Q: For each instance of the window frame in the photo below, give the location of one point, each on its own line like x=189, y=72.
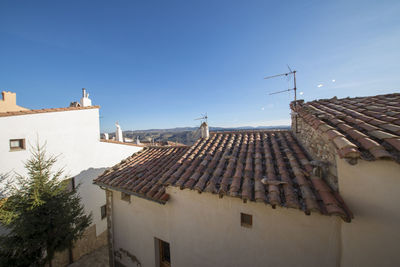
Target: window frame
x=21, y=144
x=164, y=259
x=246, y=220
x=103, y=215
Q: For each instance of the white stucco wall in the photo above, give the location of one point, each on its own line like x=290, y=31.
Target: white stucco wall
x=203, y=230
x=74, y=137
x=372, y=192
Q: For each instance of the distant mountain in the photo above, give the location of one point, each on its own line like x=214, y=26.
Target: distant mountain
x=185, y=135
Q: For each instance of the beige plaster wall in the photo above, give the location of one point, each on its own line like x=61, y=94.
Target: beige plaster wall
x=203, y=230
x=8, y=102
x=372, y=191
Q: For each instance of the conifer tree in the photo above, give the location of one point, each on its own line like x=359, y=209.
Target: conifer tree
x=41, y=214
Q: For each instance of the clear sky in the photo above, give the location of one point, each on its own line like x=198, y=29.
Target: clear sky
x=160, y=64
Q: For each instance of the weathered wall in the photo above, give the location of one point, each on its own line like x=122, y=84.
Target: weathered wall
x=372, y=191
x=318, y=147
x=88, y=243
x=203, y=230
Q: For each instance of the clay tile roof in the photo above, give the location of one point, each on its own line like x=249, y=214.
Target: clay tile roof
x=141, y=173
x=36, y=111
x=262, y=166
x=360, y=127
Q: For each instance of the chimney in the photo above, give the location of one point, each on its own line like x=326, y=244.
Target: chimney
x=137, y=140
x=205, y=133
x=9, y=102
x=118, y=133
x=85, y=100
x=10, y=98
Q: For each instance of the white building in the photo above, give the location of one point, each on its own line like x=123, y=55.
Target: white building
x=73, y=134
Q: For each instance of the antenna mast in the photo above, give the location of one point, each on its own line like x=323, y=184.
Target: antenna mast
x=291, y=72
x=203, y=117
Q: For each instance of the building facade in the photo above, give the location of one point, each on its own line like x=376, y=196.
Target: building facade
x=358, y=140
x=73, y=135
x=323, y=194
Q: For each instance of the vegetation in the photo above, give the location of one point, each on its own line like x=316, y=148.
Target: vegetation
x=41, y=214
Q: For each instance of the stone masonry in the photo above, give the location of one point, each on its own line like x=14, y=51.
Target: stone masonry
x=318, y=147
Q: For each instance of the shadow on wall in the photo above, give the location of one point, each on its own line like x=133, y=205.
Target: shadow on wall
x=92, y=196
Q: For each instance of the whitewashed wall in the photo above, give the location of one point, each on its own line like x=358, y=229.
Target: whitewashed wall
x=74, y=137
x=203, y=230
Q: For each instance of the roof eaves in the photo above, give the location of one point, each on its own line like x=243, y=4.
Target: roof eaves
x=129, y=192
x=45, y=110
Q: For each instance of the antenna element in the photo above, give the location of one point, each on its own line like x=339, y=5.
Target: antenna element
x=203, y=117
x=291, y=72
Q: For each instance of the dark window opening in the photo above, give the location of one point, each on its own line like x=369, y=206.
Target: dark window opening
x=17, y=144
x=103, y=210
x=246, y=220
x=125, y=197
x=165, y=257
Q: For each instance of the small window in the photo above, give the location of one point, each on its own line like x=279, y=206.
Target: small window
x=125, y=197
x=17, y=144
x=165, y=257
x=246, y=220
x=103, y=210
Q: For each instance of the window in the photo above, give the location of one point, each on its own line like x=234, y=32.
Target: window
x=246, y=220
x=17, y=144
x=165, y=258
x=103, y=211
x=125, y=197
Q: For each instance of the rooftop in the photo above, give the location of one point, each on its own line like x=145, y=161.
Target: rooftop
x=119, y=142
x=360, y=127
x=37, y=111
x=262, y=166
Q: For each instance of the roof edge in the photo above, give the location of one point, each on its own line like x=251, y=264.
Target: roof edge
x=45, y=110
x=129, y=192
x=120, y=143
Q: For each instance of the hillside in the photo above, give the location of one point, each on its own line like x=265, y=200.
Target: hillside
x=184, y=135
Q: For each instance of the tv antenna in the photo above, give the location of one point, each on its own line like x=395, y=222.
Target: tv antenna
x=203, y=117
x=291, y=72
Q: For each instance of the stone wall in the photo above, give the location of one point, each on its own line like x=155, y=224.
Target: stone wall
x=88, y=243
x=318, y=147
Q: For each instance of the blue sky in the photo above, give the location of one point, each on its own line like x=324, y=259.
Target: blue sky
x=160, y=64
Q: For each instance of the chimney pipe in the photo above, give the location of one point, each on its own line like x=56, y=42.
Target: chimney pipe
x=85, y=100
x=205, y=133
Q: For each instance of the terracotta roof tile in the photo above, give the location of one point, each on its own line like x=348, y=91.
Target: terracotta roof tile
x=262, y=166
x=360, y=127
x=36, y=111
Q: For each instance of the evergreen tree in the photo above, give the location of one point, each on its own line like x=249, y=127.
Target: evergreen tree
x=41, y=215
